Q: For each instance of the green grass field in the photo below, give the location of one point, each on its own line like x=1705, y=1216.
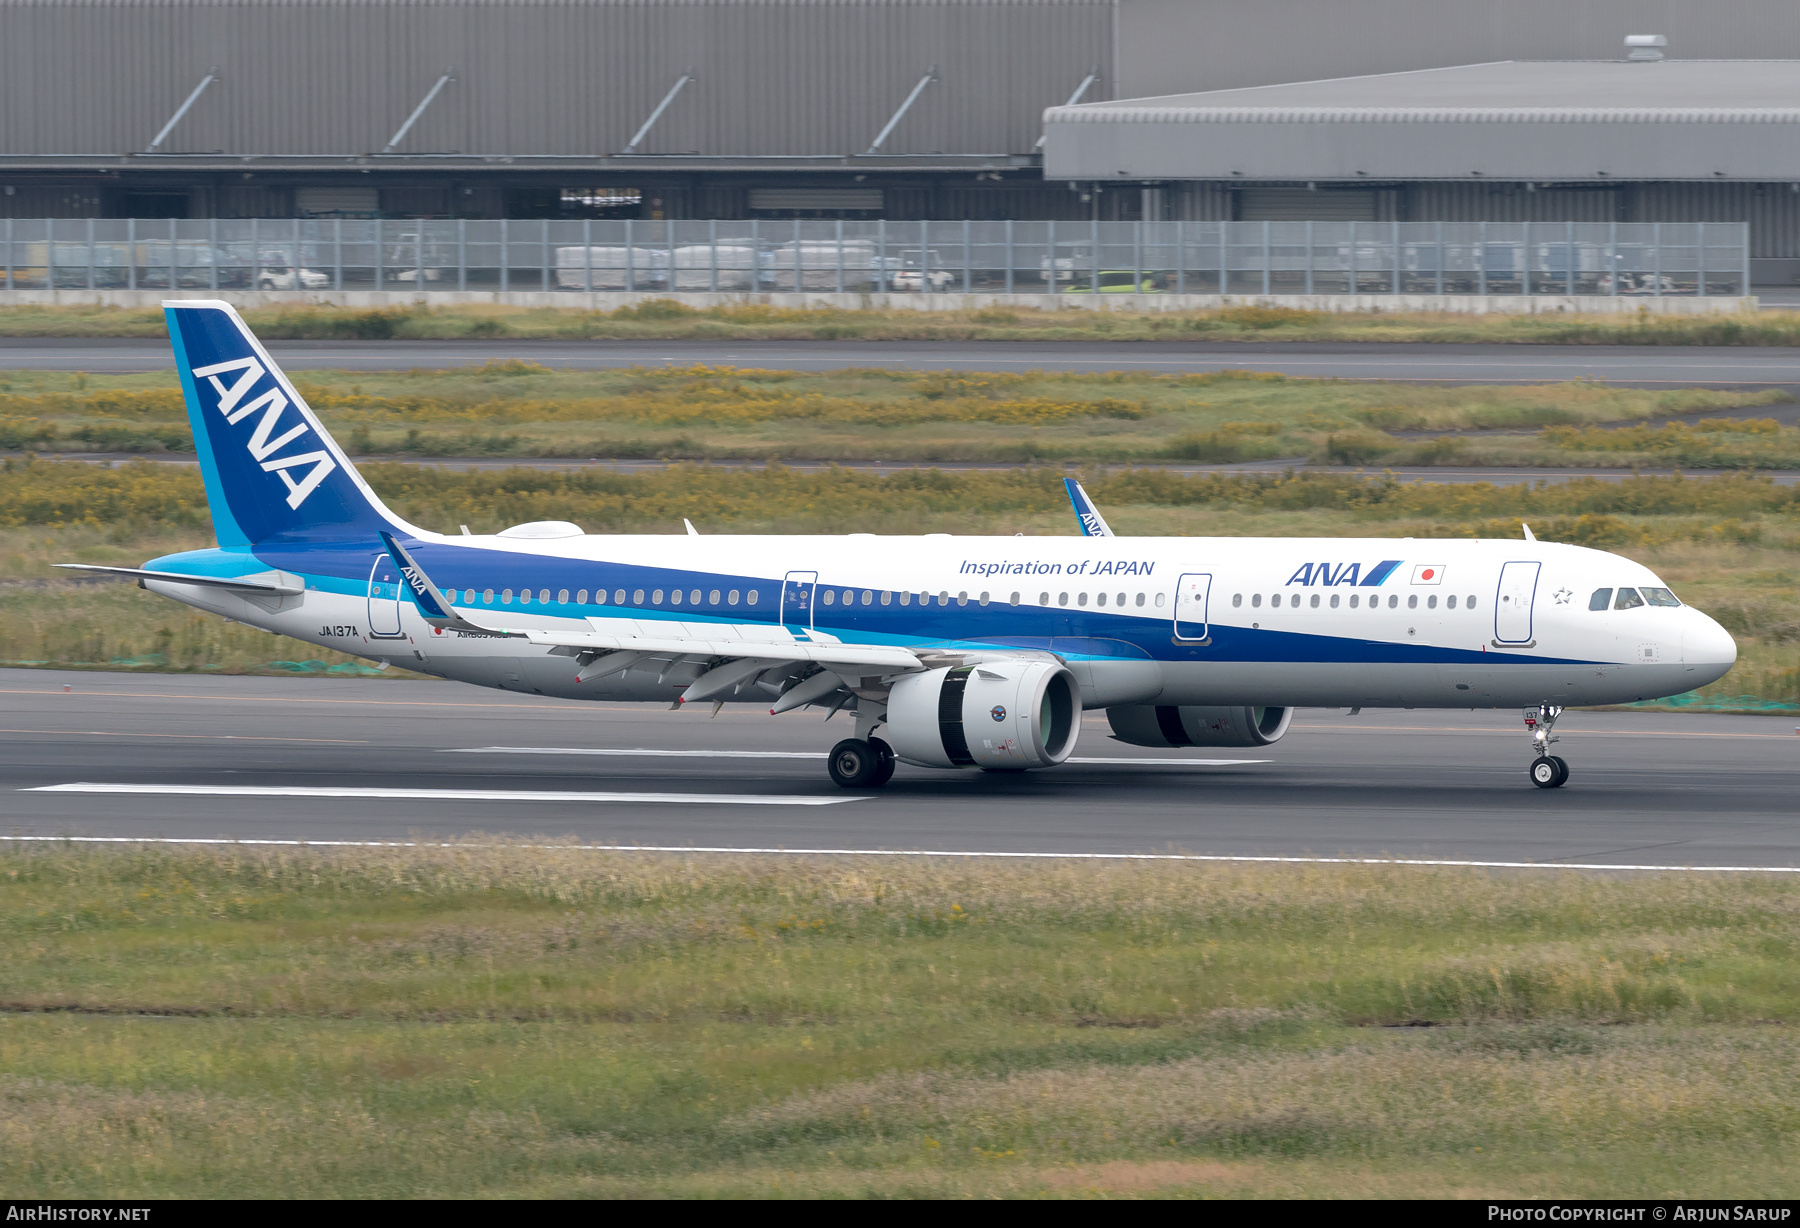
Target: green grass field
x=667, y=318
x=520, y=409
x=490, y=1020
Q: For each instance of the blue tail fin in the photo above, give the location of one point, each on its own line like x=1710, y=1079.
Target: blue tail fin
x=271, y=471
x=1086, y=514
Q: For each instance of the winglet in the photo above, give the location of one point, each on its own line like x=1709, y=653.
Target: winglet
x=427, y=596
x=1086, y=514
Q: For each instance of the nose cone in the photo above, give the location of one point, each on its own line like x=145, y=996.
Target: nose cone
x=1707, y=648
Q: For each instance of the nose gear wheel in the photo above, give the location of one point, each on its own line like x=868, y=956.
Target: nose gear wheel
x=1547, y=771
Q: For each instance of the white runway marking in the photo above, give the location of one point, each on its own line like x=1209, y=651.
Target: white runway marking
x=960, y=853
x=451, y=795
x=671, y=754
x=783, y=754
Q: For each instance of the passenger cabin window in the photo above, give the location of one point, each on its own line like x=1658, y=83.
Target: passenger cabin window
x=544, y=595
x=656, y=597
x=1450, y=602
x=1140, y=599
x=1412, y=601
x=524, y=596
x=1627, y=599
x=1354, y=598
x=1315, y=601
x=887, y=598
x=674, y=596
x=1255, y=601
x=506, y=596
x=1237, y=599
x=1159, y=598
x=1471, y=601
x=1334, y=601
x=1015, y=599
x=637, y=597
x=1431, y=602
x=694, y=597
x=830, y=597
x=1601, y=599
x=1659, y=596
x=1393, y=601
x=562, y=596
x=731, y=598
x=752, y=596
x=1100, y=599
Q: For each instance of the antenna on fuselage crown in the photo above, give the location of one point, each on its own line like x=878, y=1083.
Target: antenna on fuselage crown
x=692, y=531
x=1529, y=535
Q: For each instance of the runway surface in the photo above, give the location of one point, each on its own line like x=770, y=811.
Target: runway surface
x=1649, y=366
x=338, y=759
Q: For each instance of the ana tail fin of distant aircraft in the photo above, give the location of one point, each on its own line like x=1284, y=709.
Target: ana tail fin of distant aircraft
x=271, y=470
x=1092, y=524
x=433, y=602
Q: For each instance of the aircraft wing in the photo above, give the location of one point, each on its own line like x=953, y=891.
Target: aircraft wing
x=270, y=582
x=733, y=661
x=738, y=654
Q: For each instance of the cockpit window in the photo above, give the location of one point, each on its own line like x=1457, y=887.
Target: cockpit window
x=1659, y=596
x=1628, y=600
x=1601, y=599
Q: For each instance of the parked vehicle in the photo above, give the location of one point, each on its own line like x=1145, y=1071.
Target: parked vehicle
x=1118, y=281
x=276, y=271
x=922, y=270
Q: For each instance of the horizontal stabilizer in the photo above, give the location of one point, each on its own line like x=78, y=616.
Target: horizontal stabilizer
x=274, y=582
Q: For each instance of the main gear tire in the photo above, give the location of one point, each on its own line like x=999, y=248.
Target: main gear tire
x=884, y=755
x=853, y=764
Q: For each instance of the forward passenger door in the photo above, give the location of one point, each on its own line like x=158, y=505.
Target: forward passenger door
x=1513, y=602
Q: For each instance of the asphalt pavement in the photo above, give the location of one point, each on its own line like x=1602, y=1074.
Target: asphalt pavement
x=314, y=759
x=1646, y=366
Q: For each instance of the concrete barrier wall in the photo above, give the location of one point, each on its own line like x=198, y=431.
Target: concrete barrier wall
x=1470, y=304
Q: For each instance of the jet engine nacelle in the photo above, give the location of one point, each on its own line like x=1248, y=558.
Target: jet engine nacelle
x=1161, y=725
x=999, y=714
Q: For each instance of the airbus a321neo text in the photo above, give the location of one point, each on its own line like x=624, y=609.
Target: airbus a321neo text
x=948, y=652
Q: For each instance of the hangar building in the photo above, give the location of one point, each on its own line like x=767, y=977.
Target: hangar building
x=1370, y=110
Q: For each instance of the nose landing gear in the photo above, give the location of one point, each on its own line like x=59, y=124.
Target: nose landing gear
x=1547, y=771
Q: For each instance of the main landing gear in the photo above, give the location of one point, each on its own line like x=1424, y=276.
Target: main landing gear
x=1547, y=771
x=858, y=764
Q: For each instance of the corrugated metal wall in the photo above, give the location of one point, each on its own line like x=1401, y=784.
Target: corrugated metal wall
x=1182, y=46
x=791, y=77
x=1772, y=209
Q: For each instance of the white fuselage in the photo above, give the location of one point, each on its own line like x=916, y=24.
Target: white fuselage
x=1277, y=622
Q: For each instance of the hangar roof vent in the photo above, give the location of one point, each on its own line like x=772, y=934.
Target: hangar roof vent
x=1645, y=47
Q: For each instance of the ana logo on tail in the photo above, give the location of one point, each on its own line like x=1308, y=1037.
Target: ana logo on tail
x=264, y=443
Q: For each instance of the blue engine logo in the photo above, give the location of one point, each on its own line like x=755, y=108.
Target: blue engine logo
x=998, y=712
